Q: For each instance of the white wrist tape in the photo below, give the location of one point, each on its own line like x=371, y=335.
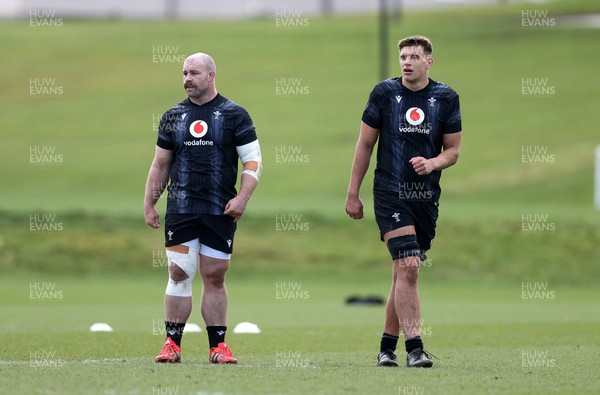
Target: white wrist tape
x=252, y=173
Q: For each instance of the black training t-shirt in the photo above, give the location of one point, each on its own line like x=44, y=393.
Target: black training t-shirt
x=410, y=124
x=203, y=140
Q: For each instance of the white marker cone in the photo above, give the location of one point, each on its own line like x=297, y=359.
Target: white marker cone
x=246, y=327
x=191, y=328
x=101, y=327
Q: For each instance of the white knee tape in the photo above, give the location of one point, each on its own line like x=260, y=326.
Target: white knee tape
x=179, y=288
x=189, y=264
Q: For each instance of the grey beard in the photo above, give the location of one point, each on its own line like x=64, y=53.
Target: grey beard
x=198, y=93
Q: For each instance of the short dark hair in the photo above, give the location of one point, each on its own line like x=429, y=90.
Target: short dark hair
x=416, y=41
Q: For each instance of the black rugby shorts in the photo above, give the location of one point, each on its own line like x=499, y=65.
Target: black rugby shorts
x=214, y=231
x=392, y=213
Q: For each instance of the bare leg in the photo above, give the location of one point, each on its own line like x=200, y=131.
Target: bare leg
x=392, y=325
x=405, y=291
x=214, y=293
x=407, y=296
x=178, y=308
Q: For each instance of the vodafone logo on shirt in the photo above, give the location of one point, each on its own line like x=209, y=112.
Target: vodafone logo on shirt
x=415, y=116
x=198, y=129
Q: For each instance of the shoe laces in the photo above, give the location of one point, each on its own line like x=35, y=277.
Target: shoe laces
x=170, y=346
x=224, y=349
x=429, y=354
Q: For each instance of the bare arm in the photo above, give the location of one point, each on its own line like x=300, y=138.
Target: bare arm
x=236, y=206
x=448, y=157
x=251, y=159
x=362, y=156
x=156, y=184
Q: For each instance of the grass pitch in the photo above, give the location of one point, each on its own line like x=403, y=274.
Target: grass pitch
x=490, y=336
x=488, y=340
x=103, y=125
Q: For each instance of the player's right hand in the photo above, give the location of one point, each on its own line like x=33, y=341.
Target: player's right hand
x=354, y=207
x=152, y=218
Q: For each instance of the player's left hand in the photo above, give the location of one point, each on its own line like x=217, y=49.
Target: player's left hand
x=422, y=166
x=236, y=207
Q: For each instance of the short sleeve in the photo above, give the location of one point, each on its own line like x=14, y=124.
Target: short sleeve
x=372, y=114
x=245, y=132
x=165, y=135
x=454, y=122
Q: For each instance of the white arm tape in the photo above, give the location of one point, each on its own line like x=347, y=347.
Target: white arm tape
x=250, y=152
x=252, y=173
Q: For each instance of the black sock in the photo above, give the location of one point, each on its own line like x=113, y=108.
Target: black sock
x=216, y=335
x=388, y=343
x=174, y=330
x=413, y=343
